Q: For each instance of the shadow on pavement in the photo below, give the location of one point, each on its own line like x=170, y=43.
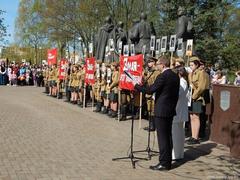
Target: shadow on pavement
x=194, y=152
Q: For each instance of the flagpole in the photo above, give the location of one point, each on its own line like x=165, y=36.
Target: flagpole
x=140, y=112
x=84, y=95
x=119, y=102
x=91, y=55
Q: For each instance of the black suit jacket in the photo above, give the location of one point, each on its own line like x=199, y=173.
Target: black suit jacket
x=166, y=87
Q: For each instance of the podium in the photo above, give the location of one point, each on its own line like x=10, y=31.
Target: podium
x=225, y=126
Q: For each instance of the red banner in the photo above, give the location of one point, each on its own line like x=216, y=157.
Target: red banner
x=134, y=66
x=52, y=56
x=90, y=70
x=62, y=69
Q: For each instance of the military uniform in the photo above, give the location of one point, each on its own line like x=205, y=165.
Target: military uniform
x=206, y=98
x=97, y=88
x=125, y=100
x=55, y=76
x=50, y=77
x=103, y=93
x=150, y=77
x=74, y=81
x=60, y=86
x=107, y=90
x=81, y=74
x=114, y=86
x=197, y=81
x=45, y=78
x=82, y=78
x=67, y=85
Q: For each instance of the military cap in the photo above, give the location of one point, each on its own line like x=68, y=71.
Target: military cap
x=194, y=58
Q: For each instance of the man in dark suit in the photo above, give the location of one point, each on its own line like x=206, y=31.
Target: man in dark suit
x=165, y=87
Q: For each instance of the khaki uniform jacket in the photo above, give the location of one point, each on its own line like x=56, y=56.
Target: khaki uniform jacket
x=74, y=79
x=82, y=78
x=207, y=80
x=150, y=78
x=103, y=85
x=97, y=89
x=115, y=79
x=55, y=74
x=198, y=81
x=50, y=75
x=45, y=74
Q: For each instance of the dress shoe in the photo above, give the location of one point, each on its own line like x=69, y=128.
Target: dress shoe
x=160, y=167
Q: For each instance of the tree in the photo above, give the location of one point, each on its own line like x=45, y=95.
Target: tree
x=62, y=22
x=231, y=43
x=29, y=27
x=3, y=27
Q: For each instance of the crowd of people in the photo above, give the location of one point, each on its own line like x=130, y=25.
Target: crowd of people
x=21, y=74
x=105, y=89
x=194, y=93
x=195, y=82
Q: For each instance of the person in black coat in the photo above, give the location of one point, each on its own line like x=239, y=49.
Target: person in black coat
x=166, y=89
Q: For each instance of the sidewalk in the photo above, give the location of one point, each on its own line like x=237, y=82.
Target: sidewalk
x=43, y=138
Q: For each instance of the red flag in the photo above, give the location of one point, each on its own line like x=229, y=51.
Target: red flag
x=134, y=66
x=90, y=70
x=62, y=68
x=52, y=56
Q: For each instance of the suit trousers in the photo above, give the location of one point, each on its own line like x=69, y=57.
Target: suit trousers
x=164, y=134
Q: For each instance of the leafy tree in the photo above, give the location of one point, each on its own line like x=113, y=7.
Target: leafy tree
x=29, y=27
x=3, y=27
x=62, y=22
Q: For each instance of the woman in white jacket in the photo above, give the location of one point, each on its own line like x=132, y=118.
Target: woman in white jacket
x=178, y=132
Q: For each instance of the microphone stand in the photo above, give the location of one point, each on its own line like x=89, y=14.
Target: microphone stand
x=148, y=148
x=131, y=156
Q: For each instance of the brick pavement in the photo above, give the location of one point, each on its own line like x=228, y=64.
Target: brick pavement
x=44, y=138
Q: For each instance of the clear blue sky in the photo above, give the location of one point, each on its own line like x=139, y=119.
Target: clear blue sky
x=10, y=7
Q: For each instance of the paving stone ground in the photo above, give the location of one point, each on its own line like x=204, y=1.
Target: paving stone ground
x=42, y=138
